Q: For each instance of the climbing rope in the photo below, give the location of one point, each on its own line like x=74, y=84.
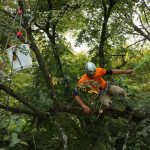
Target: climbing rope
x=9, y=36
x=19, y=35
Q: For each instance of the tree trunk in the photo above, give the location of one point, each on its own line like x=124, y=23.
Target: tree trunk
x=103, y=37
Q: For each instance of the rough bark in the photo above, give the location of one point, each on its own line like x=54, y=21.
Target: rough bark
x=17, y=110
x=103, y=37
x=137, y=116
x=41, y=62
x=20, y=98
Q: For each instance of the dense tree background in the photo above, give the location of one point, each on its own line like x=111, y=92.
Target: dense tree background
x=36, y=104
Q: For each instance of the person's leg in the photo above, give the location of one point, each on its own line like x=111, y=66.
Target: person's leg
x=105, y=100
x=116, y=91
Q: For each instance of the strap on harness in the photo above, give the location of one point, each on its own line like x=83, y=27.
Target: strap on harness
x=102, y=92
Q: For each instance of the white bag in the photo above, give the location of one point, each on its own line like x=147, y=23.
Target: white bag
x=19, y=57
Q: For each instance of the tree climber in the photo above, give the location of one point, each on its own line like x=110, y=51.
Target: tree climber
x=92, y=82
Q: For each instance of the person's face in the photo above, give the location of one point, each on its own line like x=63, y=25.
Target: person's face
x=90, y=74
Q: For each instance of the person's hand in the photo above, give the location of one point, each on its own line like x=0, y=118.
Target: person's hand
x=86, y=109
x=129, y=71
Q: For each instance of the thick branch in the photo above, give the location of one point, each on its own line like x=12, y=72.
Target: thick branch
x=118, y=55
x=55, y=51
x=137, y=116
x=49, y=15
x=17, y=110
x=41, y=62
x=19, y=98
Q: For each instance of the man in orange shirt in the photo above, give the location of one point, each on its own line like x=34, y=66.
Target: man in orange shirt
x=92, y=81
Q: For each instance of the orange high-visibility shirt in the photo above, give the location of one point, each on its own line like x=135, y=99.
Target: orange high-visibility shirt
x=95, y=83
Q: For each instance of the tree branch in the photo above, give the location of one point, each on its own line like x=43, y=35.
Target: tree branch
x=19, y=98
x=146, y=19
x=7, y=13
x=123, y=63
x=17, y=110
x=146, y=5
x=136, y=116
x=135, y=43
x=144, y=28
x=41, y=62
x=137, y=29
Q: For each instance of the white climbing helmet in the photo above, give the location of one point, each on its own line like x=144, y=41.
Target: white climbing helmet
x=90, y=69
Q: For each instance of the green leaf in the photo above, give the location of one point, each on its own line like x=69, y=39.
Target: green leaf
x=14, y=139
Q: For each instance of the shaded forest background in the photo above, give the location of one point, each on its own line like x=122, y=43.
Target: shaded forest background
x=37, y=108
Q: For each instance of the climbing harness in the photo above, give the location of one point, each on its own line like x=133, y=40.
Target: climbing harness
x=104, y=91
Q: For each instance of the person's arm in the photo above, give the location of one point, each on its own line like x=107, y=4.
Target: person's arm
x=80, y=102
x=117, y=71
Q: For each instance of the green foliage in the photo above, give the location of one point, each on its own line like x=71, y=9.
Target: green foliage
x=141, y=136
x=84, y=18
x=10, y=130
x=14, y=139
